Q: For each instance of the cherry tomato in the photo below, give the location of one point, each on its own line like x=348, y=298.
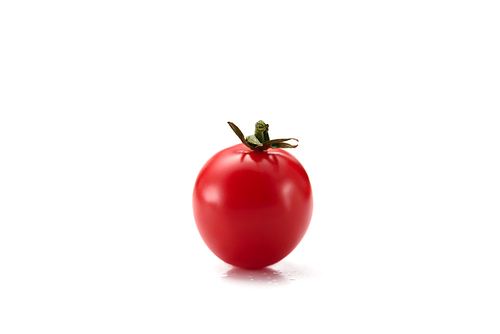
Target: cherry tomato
x=252, y=208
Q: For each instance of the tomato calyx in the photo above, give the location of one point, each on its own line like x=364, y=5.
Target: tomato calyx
x=260, y=141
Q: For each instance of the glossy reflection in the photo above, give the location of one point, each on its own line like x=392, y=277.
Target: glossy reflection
x=265, y=276
x=282, y=273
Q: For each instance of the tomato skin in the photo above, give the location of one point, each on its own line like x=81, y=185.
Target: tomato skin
x=252, y=208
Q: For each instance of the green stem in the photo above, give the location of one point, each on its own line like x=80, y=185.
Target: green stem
x=260, y=141
x=262, y=131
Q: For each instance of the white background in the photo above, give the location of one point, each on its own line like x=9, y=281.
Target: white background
x=108, y=110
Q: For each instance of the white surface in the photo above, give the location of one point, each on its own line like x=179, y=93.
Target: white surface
x=109, y=109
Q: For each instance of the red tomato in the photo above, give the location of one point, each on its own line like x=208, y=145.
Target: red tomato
x=252, y=208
